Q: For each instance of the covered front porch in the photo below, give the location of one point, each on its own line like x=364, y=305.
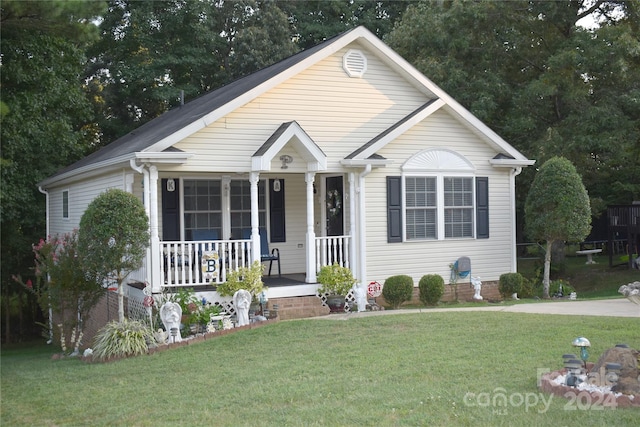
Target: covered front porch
x=208, y=262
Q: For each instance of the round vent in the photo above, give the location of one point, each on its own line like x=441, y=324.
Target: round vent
x=354, y=63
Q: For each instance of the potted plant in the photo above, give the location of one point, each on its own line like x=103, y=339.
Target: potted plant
x=247, y=278
x=336, y=282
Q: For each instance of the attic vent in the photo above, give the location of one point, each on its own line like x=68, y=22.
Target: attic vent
x=354, y=63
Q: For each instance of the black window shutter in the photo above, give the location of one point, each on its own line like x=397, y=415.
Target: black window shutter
x=276, y=213
x=394, y=209
x=482, y=207
x=170, y=211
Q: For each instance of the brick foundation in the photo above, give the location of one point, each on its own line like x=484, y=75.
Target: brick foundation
x=298, y=307
x=465, y=294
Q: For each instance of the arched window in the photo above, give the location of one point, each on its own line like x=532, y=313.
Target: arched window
x=438, y=198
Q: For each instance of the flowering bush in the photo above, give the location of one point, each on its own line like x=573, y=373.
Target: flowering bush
x=63, y=285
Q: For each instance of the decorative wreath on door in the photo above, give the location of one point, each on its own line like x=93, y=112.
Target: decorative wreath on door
x=334, y=202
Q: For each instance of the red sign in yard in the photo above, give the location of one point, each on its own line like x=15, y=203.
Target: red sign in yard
x=374, y=289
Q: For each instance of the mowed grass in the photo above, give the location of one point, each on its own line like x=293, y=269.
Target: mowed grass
x=402, y=369
x=590, y=280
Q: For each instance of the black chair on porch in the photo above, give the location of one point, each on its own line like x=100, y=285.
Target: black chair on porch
x=265, y=254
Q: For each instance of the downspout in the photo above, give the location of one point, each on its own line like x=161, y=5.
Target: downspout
x=362, y=229
x=145, y=174
x=514, y=256
x=47, y=226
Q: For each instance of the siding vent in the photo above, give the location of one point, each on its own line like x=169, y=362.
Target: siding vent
x=354, y=63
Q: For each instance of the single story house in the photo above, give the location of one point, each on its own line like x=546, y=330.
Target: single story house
x=341, y=153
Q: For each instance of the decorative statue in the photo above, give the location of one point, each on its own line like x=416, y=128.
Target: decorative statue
x=477, y=286
x=361, y=297
x=171, y=313
x=242, y=301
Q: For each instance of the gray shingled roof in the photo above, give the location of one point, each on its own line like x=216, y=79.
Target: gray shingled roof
x=177, y=118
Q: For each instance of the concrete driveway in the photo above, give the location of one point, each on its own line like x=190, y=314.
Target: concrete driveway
x=619, y=307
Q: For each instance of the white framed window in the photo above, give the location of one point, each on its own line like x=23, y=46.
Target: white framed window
x=458, y=206
x=439, y=196
x=202, y=206
x=65, y=204
x=240, y=206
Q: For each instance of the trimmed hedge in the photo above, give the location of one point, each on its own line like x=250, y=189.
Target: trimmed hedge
x=431, y=289
x=397, y=289
x=510, y=283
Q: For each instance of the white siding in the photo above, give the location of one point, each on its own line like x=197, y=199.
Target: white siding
x=81, y=193
x=489, y=257
x=338, y=112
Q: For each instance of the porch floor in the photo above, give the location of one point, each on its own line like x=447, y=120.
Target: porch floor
x=285, y=280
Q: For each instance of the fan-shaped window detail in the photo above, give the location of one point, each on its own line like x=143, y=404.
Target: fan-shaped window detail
x=437, y=160
x=441, y=199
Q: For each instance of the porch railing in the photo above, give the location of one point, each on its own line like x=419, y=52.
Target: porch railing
x=196, y=263
x=333, y=249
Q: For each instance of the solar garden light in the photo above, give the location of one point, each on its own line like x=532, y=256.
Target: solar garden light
x=612, y=372
x=583, y=343
x=174, y=333
x=573, y=366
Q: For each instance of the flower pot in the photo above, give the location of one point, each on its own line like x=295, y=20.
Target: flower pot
x=336, y=303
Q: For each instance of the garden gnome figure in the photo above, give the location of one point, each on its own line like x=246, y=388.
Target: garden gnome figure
x=361, y=297
x=477, y=287
x=171, y=313
x=242, y=301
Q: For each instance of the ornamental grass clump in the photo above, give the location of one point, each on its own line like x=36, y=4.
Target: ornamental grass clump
x=122, y=339
x=398, y=289
x=431, y=288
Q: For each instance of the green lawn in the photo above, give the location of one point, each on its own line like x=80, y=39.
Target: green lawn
x=590, y=280
x=435, y=368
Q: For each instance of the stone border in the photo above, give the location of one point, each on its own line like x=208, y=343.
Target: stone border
x=547, y=385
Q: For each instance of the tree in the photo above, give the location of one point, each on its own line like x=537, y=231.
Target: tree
x=150, y=53
x=557, y=208
x=45, y=123
x=545, y=84
x=113, y=238
x=314, y=21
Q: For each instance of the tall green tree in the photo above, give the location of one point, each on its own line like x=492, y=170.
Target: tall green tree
x=314, y=21
x=45, y=121
x=557, y=209
x=546, y=84
x=150, y=53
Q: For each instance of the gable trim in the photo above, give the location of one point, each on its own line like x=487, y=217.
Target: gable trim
x=289, y=133
x=397, y=129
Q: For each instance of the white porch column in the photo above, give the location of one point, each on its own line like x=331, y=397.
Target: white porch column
x=254, y=177
x=361, y=274
x=152, y=186
x=309, y=178
x=353, y=262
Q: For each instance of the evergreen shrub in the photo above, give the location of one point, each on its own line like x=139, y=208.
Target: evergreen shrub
x=431, y=289
x=509, y=284
x=397, y=289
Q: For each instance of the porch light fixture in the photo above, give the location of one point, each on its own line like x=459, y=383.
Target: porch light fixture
x=285, y=159
x=276, y=185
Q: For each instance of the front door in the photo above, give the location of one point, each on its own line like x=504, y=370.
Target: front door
x=334, y=206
